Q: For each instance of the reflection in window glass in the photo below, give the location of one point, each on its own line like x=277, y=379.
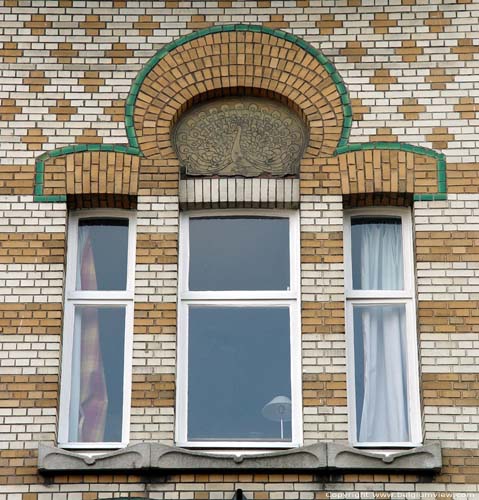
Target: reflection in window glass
x=239, y=253
x=376, y=248
x=102, y=254
x=380, y=360
x=96, y=398
x=239, y=385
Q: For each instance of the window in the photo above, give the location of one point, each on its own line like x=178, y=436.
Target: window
x=98, y=328
x=381, y=329
x=239, y=337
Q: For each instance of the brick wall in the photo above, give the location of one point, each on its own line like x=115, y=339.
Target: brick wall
x=67, y=67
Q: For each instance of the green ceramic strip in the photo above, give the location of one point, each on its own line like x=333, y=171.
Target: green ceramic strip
x=430, y=197
x=441, y=174
x=389, y=145
x=50, y=199
x=321, y=58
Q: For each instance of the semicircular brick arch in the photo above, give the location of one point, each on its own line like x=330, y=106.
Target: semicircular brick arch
x=267, y=62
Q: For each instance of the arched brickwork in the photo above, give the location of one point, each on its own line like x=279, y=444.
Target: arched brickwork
x=239, y=60
x=260, y=61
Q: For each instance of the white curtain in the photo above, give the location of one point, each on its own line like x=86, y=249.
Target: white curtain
x=384, y=415
x=381, y=256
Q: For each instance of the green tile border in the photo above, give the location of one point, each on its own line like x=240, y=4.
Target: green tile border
x=319, y=56
x=409, y=148
x=38, y=195
x=430, y=197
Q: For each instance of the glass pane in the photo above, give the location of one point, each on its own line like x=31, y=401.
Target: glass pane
x=96, y=401
x=376, y=245
x=239, y=253
x=239, y=376
x=102, y=254
x=380, y=359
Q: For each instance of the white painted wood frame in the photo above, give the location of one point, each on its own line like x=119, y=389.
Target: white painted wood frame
x=74, y=298
x=289, y=298
x=407, y=297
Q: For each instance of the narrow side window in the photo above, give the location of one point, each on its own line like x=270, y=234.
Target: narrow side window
x=383, y=389
x=98, y=330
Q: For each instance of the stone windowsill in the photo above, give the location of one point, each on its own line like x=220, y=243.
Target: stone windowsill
x=320, y=457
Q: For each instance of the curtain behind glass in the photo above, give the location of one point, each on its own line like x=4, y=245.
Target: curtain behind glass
x=377, y=254
x=380, y=352
x=88, y=400
x=381, y=373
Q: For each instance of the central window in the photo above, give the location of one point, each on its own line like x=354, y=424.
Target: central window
x=239, y=336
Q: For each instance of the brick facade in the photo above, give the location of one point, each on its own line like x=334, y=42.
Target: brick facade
x=88, y=95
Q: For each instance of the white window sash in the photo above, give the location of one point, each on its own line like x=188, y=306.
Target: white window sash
x=73, y=298
x=384, y=297
x=275, y=298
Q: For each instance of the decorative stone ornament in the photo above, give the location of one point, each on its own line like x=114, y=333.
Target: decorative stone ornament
x=240, y=136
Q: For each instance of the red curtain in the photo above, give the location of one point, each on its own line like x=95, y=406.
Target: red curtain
x=93, y=394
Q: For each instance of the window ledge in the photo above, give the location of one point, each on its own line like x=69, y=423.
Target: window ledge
x=427, y=457
x=318, y=457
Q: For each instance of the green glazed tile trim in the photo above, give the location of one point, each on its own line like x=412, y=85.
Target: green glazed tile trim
x=442, y=174
x=50, y=199
x=430, y=197
x=74, y=148
x=321, y=58
x=400, y=146
x=408, y=148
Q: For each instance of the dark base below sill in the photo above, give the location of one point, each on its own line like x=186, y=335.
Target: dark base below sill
x=320, y=457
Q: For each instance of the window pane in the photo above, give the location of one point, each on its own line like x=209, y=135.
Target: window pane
x=239, y=385
x=102, y=254
x=381, y=373
x=239, y=253
x=96, y=401
x=377, y=253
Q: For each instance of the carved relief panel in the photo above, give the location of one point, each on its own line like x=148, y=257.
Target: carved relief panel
x=240, y=136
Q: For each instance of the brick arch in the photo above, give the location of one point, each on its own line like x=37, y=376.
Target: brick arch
x=268, y=62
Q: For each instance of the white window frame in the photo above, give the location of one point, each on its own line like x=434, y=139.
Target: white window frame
x=290, y=298
x=72, y=298
x=407, y=296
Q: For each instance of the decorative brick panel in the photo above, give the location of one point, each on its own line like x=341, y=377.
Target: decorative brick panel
x=153, y=391
x=447, y=246
x=29, y=391
x=30, y=318
x=239, y=193
x=388, y=175
x=155, y=319
x=444, y=317
x=92, y=178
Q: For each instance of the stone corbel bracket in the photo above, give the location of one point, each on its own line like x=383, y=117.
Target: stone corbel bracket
x=319, y=457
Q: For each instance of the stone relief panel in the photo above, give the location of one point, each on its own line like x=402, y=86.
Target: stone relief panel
x=240, y=136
